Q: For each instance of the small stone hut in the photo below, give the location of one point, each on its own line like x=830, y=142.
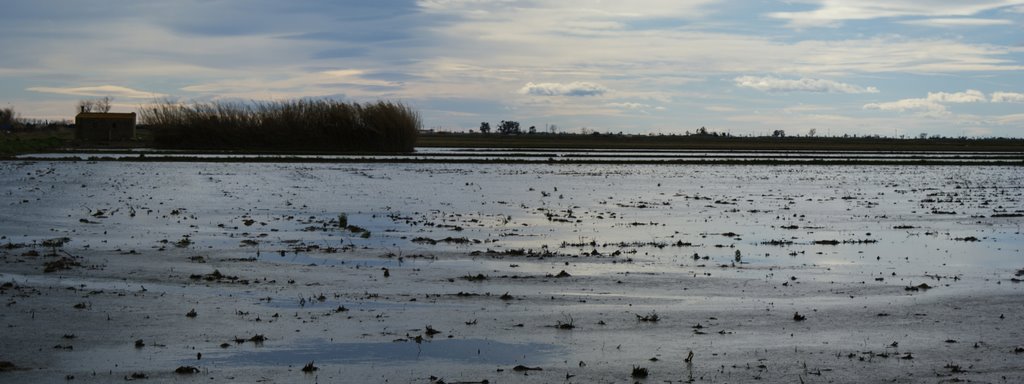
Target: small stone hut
x=93, y=126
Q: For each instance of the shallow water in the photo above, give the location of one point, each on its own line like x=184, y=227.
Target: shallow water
x=847, y=240
x=908, y=219
x=472, y=351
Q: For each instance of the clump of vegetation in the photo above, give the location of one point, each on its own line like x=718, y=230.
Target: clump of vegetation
x=561, y=274
x=523, y=368
x=355, y=229
x=477, y=277
x=639, y=372
x=652, y=317
x=184, y=242
x=309, y=125
x=569, y=323
x=217, y=276
x=186, y=370
x=55, y=242
x=920, y=287
x=64, y=263
x=309, y=368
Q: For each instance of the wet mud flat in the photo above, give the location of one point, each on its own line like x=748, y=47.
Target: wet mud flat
x=430, y=273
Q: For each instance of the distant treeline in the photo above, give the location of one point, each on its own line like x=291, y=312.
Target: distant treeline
x=298, y=125
x=714, y=142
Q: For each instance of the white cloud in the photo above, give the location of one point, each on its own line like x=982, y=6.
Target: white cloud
x=833, y=12
x=932, y=105
x=720, y=108
x=559, y=89
x=924, y=106
x=571, y=9
x=774, y=84
x=804, y=108
x=969, y=96
x=1010, y=119
x=958, y=22
x=1007, y=97
x=100, y=90
x=352, y=82
x=634, y=106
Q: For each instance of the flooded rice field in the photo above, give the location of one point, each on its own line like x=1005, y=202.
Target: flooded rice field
x=522, y=273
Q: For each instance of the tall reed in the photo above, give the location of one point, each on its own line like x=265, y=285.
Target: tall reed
x=314, y=125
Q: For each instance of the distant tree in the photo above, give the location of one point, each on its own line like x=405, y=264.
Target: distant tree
x=85, y=106
x=779, y=133
x=923, y=135
x=509, y=128
x=812, y=132
x=553, y=128
x=485, y=127
x=532, y=130
x=103, y=104
x=98, y=105
x=6, y=117
x=702, y=131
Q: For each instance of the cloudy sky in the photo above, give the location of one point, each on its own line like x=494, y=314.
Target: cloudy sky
x=888, y=67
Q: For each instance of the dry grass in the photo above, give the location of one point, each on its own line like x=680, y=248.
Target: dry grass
x=304, y=125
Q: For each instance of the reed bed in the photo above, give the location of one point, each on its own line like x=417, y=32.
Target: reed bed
x=297, y=125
